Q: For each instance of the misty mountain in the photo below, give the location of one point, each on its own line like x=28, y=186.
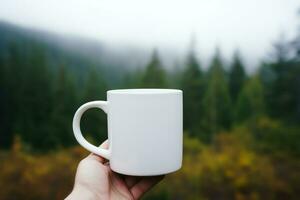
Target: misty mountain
x=77, y=52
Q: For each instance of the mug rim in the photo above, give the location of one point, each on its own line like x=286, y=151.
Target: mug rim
x=143, y=91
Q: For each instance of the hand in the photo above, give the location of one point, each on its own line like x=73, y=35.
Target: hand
x=95, y=180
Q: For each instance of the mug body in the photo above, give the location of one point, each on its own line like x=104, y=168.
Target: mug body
x=145, y=131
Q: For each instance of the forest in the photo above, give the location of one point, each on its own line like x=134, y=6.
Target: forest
x=241, y=130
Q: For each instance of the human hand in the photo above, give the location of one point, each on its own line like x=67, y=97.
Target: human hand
x=95, y=180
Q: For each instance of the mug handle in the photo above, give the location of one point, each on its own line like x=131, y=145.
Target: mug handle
x=77, y=132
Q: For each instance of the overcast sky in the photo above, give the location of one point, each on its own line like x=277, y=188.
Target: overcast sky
x=250, y=25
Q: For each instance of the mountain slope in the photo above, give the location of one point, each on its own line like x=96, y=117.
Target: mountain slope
x=77, y=53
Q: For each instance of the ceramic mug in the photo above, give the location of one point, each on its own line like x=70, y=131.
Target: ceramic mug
x=144, y=130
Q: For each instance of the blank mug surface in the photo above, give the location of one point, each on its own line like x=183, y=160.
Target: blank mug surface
x=144, y=131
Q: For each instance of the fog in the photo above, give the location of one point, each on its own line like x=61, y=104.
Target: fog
x=168, y=25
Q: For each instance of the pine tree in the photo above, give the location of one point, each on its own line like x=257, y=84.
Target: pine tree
x=36, y=106
x=282, y=89
x=237, y=77
x=6, y=134
x=64, y=107
x=28, y=96
x=155, y=75
x=94, y=121
x=14, y=86
x=132, y=79
x=192, y=86
x=217, y=103
x=250, y=102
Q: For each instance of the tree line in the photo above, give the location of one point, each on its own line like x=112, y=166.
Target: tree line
x=38, y=102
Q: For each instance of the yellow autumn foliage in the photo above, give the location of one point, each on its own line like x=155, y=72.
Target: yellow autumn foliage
x=226, y=169
x=38, y=176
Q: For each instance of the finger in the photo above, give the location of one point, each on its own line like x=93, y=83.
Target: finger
x=144, y=185
x=131, y=180
x=104, y=145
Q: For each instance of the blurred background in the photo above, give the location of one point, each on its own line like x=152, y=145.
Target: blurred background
x=238, y=63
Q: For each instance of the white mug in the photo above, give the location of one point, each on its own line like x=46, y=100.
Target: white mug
x=144, y=130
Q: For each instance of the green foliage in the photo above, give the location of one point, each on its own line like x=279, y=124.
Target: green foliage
x=65, y=104
x=217, y=103
x=37, y=176
x=237, y=76
x=276, y=138
x=250, y=102
x=133, y=79
x=282, y=90
x=31, y=96
x=39, y=103
x=5, y=106
x=231, y=167
x=155, y=75
x=94, y=121
x=193, y=86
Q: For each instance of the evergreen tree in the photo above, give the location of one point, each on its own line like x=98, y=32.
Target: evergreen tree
x=36, y=106
x=64, y=107
x=250, y=102
x=132, y=79
x=6, y=133
x=174, y=76
x=237, y=76
x=217, y=103
x=155, y=75
x=94, y=121
x=14, y=79
x=282, y=89
x=27, y=96
x=192, y=86
x=14, y=85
